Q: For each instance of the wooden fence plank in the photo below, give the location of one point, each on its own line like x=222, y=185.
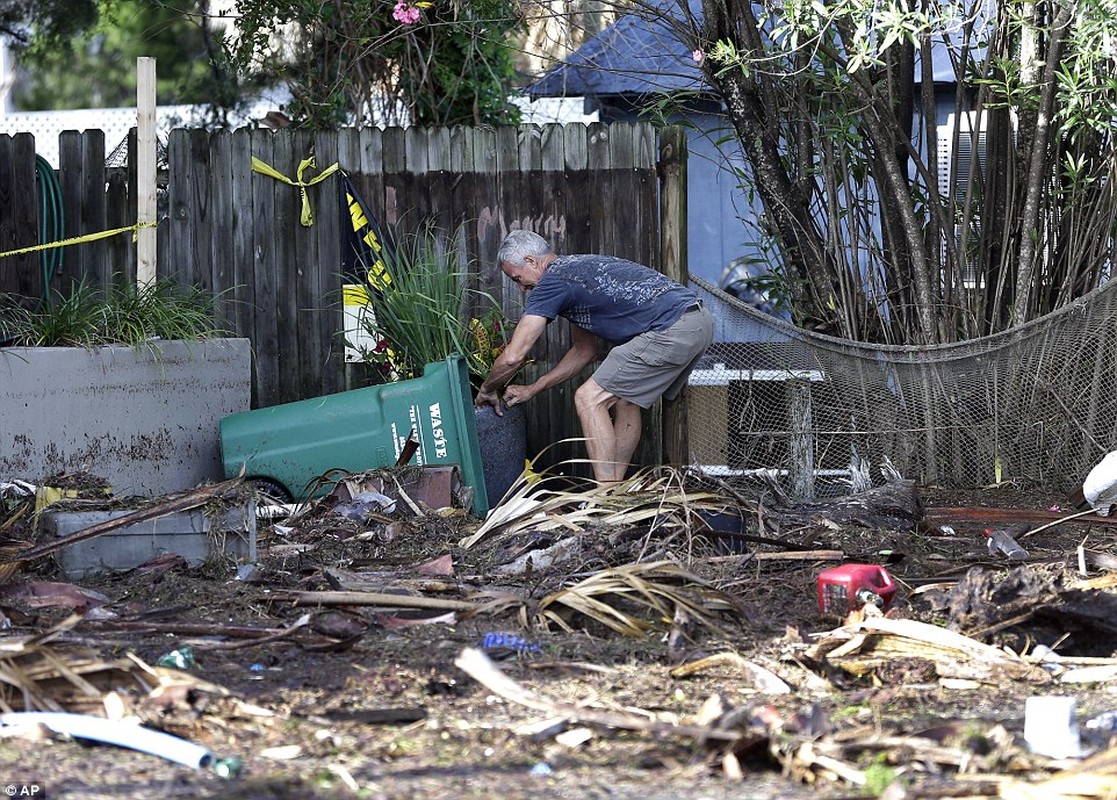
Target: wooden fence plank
x=440, y=181
x=184, y=218
x=393, y=167
x=304, y=283
x=242, y=291
x=267, y=382
x=645, y=153
x=93, y=212
x=325, y=290
x=240, y=230
x=70, y=180
x=120, y=212
x=600, y=187
x=19, y=222
x=220, y=229
x=284, y=262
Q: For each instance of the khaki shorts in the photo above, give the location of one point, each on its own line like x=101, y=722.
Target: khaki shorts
x=657, y=364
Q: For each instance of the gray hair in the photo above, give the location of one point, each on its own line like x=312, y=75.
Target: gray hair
x=519, y=244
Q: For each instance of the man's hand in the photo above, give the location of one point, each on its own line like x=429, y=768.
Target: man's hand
x=488, y=398
x=515, y=394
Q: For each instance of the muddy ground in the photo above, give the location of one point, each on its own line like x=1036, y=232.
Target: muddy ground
x=362, y=702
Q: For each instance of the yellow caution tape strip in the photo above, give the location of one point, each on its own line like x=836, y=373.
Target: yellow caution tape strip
x=88, y=237
x=306, y=218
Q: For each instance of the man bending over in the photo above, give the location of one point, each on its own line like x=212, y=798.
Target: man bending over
x=657, y=328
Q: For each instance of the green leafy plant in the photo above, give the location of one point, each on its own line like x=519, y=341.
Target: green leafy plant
x=372, y=61
x=122, y=313
x=421, y=313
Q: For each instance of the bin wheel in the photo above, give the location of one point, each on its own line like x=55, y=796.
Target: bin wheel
x=270, y=489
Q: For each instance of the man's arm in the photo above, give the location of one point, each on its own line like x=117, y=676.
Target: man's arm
x=511, y=358
x=583, y=349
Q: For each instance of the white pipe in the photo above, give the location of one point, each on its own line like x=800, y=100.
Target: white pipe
x=124, y=734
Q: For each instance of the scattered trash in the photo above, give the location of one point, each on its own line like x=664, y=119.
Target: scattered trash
x=17, y=488
x=1001, y=541
x=1051, y=727
x=377, y=716
x=508, y=641
x=406, y=619
x=1099, y=488
x=1014, y=629
x=849, y=587
x=1047, y=658
x=574, y=738
x=282, y=753
x=879, y=643
x=123, y=734
x=443, y=567
x=763, y=679
x=179, y=658
x=364, y=505
x=165, y=562
x=228, y=767
x=53, y=594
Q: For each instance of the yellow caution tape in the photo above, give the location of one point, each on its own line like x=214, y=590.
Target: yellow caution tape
x=306, y=218
x=88, y=237
x=354, y=294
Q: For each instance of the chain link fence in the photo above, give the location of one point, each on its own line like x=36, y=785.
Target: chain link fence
x=1036, y=405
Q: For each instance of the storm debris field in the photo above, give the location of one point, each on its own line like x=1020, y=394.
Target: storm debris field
x=670, y=636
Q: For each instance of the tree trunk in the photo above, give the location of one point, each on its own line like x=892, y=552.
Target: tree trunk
x=1038, y=171
x=754, y=112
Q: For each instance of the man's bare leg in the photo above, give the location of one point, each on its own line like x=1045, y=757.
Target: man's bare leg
x=610, y=443
x=627, y=424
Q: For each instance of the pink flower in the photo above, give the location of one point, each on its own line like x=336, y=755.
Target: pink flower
x=698, y=56
x=406, y=13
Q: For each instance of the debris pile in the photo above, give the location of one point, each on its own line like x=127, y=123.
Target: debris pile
x=871, y=643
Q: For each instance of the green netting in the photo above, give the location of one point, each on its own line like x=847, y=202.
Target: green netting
x=1036, y=405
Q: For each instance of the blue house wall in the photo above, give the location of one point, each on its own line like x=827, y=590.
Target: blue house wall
x=628, y=68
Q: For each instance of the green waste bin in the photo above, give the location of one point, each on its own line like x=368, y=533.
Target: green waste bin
x=361, y=429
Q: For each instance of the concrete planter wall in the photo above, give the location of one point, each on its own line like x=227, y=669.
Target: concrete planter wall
x=144, y=419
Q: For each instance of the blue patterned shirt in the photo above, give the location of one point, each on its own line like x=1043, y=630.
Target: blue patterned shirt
x=609, y=297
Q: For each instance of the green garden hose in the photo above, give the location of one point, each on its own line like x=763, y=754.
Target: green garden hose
x=52, y=223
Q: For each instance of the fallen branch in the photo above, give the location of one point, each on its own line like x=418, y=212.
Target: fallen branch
x=376, y=599
x=301, y=622
x=1087, y=513
x=172, y=504
x=184, y=629
x=937, y=517
x=795, y=555
x=763, y=679
x=877, y=640
x=478, y=666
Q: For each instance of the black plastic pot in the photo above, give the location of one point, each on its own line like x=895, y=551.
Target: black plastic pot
x=503, y=443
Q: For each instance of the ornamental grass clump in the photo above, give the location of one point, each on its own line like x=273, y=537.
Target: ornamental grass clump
x=425, y=310
x=121, y=313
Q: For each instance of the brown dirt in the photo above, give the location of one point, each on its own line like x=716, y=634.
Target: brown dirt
x=329, y=691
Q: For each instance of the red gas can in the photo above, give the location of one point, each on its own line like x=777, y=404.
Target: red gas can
x=839, y=588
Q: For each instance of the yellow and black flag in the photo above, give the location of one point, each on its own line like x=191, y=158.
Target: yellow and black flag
x=366, y=256
x=368, y=252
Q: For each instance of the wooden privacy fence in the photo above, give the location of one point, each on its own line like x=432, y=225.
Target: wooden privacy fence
x=237, y=232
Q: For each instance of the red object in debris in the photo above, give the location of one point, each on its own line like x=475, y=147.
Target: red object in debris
x=839, y=588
